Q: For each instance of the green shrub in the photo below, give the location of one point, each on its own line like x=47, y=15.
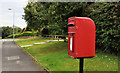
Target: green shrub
x=10, y=36
x=26, y=33
x=106, y=17
x=6, y=31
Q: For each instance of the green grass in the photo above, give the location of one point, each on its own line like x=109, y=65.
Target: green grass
x=30, y=41
x=54, y=57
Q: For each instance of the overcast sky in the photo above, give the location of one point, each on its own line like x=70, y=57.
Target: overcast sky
x=6, y=16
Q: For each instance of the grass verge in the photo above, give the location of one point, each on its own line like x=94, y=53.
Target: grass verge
x=53, y=56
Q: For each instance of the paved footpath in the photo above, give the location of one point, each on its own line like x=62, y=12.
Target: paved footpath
x=0, y=55
x=14, y=59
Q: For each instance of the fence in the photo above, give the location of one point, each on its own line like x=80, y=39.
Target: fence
x=55, y=37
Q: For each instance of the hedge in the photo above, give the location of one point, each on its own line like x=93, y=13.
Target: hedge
x=106, y=17
x=26, y=33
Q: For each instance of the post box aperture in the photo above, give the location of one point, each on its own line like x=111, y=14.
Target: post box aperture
x=81, y=37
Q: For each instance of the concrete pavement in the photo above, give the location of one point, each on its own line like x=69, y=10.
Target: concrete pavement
x=0, y=55
x=9, y=39
x=14, y=59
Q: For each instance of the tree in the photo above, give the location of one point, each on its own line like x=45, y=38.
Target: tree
x=6, y=31
x=52, y=15
x=17, y=30
x=106, y=17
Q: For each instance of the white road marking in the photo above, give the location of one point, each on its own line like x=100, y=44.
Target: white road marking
x=9, y=39
x=13, y=58
x=17, y=62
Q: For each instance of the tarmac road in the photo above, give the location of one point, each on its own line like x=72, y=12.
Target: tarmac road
x=0, y=55
x=14, y=59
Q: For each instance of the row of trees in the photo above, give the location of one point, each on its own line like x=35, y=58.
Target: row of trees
x=51, y=17
x=6, y=31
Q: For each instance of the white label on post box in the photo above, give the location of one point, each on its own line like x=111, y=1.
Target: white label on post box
x=70, y=44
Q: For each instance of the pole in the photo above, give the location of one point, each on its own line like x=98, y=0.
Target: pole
x=13, y=23
x=81, y=65
x=13, y=20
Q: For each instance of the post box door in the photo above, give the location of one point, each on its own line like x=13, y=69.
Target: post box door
x=71, y=42
x=71, y=48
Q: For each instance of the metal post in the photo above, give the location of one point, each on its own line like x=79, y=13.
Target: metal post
x=13, y=23
x=81, y=65
x=13, y=20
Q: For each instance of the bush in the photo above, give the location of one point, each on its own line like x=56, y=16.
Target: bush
x=6, y=31
x=26, y=33
x=106, y=17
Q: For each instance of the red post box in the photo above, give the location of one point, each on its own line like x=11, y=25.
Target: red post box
x=81, y=37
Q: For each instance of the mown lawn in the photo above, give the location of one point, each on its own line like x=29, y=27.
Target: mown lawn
x=54, y=56
x=30, y=41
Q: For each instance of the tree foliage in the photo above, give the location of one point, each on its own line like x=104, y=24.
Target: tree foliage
x=6, y=31
x=52, y=17
x=107, y=19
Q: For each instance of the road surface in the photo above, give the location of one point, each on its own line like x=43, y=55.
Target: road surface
x=0, y=55
x=14, y=59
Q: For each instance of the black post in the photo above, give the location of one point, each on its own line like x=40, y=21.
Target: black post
x=81, y=65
